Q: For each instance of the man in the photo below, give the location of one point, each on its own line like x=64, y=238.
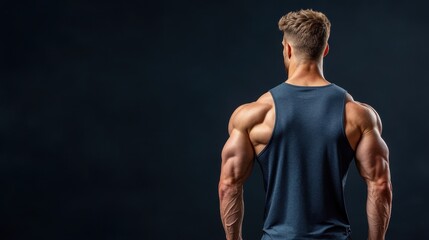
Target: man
x=304, y=133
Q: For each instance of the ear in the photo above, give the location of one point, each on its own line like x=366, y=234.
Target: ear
x=289, y=50
x=326, y=50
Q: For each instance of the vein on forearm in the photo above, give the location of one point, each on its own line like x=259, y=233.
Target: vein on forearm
x=379, y=207
x=232, y=208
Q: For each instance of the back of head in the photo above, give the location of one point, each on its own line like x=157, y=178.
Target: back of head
x=307, y=31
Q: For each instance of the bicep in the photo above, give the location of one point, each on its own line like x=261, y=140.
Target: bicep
x=372, y=157
x=237, y=158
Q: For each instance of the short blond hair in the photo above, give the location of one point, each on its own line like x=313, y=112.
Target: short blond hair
x=307, y=30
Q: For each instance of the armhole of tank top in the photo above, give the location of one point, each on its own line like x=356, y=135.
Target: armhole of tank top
x=343, y=121
x=259, y=155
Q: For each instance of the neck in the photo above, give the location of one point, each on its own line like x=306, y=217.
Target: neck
x=306, y=73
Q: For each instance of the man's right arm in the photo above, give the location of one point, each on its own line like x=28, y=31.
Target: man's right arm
x=372, y=160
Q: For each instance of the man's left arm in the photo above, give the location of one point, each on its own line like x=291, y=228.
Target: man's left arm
x=237, y=163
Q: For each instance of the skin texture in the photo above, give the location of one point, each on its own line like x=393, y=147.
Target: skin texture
x=250, y=129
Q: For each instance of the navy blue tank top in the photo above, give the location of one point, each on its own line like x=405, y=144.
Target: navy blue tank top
x=305, y=165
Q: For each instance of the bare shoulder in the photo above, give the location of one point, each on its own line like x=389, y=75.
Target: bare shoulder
x=246, y=116
x=362, y=115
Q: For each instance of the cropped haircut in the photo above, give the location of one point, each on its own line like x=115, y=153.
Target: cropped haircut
x=307, y=31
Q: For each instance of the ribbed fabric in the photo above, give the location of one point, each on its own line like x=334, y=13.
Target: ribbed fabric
x=305, y=165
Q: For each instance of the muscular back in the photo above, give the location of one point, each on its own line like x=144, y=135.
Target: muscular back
x=258, y=118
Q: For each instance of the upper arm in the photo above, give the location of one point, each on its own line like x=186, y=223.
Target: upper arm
x=237, y=158
x=372, y=153
x=238, y=153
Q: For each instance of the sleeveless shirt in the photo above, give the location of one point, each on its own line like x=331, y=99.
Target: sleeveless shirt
x=305, y=165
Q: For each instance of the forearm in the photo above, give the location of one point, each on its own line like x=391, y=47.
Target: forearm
x=379, y=205
x=231, y=210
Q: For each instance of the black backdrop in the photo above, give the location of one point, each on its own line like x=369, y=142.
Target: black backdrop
x=113, y=114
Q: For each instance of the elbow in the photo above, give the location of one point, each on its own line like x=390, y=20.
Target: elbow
x=381, y=189
x=228, y=188
x=380, y=185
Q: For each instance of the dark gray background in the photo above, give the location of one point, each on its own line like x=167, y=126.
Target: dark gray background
x=113, y=114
